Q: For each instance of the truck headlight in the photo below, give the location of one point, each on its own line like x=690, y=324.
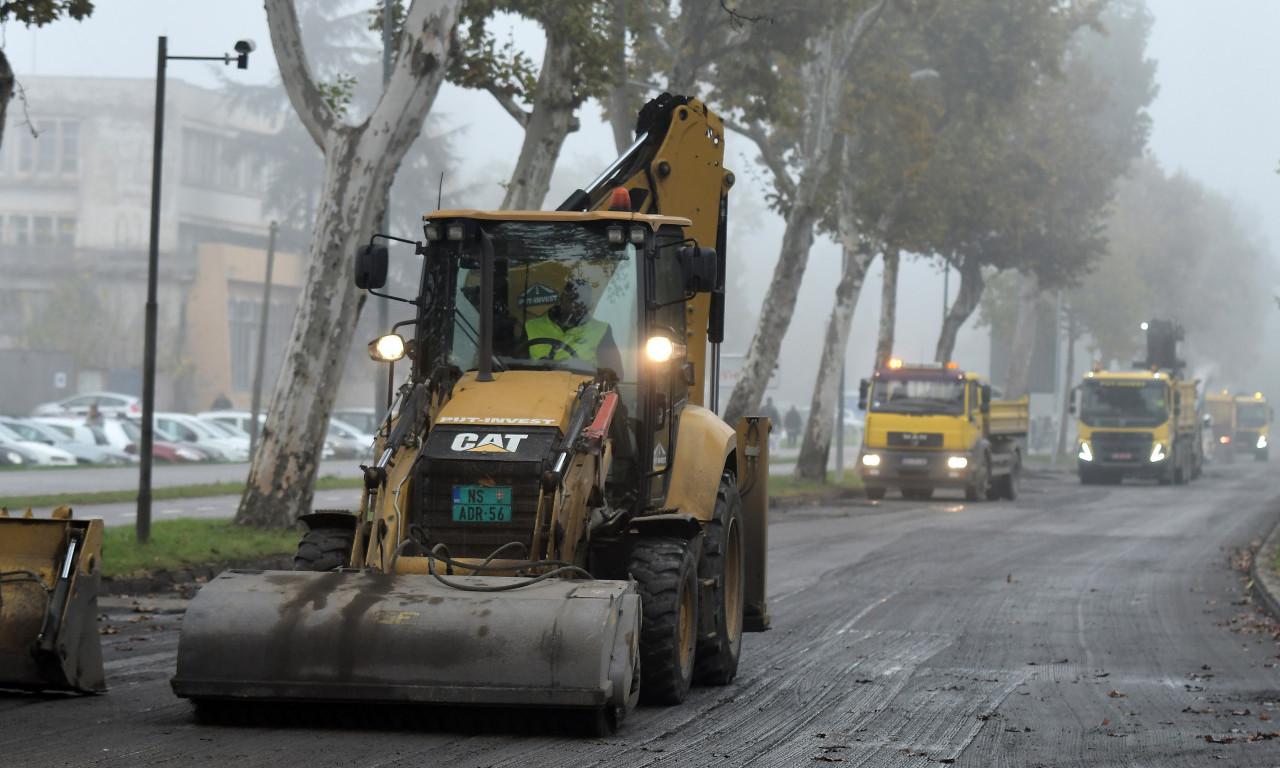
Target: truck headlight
x=1262, y=442
x=387, y=349
x=1085, y=453
x=957, y=462
x=871, y=460
x=1157, y=452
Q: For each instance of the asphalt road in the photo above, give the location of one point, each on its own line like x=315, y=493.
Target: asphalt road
x=1078, y=626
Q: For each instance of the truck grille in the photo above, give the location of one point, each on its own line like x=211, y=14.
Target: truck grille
x=915, y=439
x=1122, y=446
x=442, y=467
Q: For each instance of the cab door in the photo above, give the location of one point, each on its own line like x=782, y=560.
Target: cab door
x=668, y=390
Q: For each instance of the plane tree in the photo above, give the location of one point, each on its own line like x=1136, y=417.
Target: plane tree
x=360, y=163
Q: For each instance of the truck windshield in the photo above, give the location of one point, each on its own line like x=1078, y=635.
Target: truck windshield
x=1124, y=403
x=564, y=297
x=1251, y=415
x=906, y=394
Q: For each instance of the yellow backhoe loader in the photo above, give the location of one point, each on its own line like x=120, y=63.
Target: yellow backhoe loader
x=554, y=519
x=50, y=569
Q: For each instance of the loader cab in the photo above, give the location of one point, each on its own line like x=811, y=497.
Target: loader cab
x=492, y=300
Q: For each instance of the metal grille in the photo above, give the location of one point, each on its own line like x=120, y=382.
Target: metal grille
x=1107, y=444
x=435, y=508
x=915, y=439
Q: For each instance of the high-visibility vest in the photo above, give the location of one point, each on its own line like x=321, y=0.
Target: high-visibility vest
x=584, y=339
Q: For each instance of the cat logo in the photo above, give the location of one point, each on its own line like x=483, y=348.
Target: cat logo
x=488, y=443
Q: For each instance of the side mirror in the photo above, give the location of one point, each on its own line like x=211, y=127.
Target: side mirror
x=699, y=267
x=864, y=389
x=985, y=406
x=371, y=266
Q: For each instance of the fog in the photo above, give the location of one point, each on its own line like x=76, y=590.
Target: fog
x=1215, y=118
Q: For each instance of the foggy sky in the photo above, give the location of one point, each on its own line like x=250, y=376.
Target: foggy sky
x=1216, y=117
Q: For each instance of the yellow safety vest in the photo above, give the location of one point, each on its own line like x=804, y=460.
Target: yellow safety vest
x=584, y=339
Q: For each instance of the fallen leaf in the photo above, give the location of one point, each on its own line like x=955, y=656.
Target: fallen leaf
x=1106, y=721
x=1116, y=694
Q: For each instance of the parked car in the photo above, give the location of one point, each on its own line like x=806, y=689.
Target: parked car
x=365, y=420
x=347, y=441
x=127, y=435
x=85, y=452
x=46, y=455
x=334, y=447
x=109, y=404
x=12, y=455
x=205, y=436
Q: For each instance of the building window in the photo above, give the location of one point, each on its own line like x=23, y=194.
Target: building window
x=66, y=230
x=54, y=150
x=43, y=226
x=21, y=226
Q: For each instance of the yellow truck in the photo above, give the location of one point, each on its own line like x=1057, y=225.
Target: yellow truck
x=936, y=426
x=1253, y=425
x=1137, y=424
x=1220, y=407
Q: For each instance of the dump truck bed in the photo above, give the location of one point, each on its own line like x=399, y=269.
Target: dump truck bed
x=1008, y=418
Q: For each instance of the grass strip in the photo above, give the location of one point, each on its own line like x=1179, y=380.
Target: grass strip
x=177, y=544
x=18, y=503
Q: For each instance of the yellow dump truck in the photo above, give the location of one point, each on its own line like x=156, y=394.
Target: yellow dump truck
x=1253, y=425
x=1221, y=409
x=936, y=426
x=1137, y=424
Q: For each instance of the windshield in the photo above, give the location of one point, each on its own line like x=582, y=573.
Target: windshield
x=905, y=393
x=1251, y=415
x=564, y=297
x=1124, y=403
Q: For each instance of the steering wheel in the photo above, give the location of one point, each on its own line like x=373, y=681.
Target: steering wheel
x=555, y=344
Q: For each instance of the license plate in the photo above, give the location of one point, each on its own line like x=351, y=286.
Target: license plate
x=1122, y=455
x=482, y=503
x=915, y=461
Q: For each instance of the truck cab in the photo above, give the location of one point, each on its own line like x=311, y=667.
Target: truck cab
x=936, y=426
x=1136, y=424
x=1253, y=425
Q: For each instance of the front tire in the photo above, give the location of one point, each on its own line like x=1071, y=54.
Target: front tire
x=721, y=596
x=977, y=487
x=666, y=578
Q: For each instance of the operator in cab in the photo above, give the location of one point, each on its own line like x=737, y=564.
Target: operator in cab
x=569, y=326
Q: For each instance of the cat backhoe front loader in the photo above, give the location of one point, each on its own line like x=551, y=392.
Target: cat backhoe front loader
x=554, y=519
x=50, y=569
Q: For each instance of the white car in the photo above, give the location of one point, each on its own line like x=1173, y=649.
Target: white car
x=354, y=443
x=205, y=436
x=335, y=446
x=86, y=451
x=109, y=404
x=45, y=455
x=236, y=418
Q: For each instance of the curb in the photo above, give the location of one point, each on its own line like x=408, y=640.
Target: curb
x=185, y=582
x=1265, y=583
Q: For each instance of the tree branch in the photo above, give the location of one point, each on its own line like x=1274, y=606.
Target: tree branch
x=509, y=104
x=286, y=39
x=772, y=158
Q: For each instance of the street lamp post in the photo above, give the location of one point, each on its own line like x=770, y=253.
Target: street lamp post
x=243, y=49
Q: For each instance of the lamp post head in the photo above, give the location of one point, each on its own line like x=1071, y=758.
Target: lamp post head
x=243, y=49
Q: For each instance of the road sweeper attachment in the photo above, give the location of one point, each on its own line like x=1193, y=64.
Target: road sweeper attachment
x=50, y=569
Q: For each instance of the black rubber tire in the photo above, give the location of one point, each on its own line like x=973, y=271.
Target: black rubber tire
x=875, y=492
x=666, y=571
x=722, y=589
x=980, y=485
x=324, y=549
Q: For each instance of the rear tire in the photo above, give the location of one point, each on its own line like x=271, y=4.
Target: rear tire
x=324, y=549
x=666, y=578
x=721, y=596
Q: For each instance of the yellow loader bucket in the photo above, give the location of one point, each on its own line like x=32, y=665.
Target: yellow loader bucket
x=50, y=570
x=361, y=636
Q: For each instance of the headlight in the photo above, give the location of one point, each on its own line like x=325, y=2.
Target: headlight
x=1262, y=441
x=1085, y=453
x=871, y=460
x=660, y=349
x=957, y=462
x=1157, y=452
x=387, y=349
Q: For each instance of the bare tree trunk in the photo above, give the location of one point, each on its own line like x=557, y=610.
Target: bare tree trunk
x=6, y=91
x=1070, y=373
x=1024, y=337
x=360, y=164
x=551, y=120
x=826, y=407
x=621, y=115
x=888, y=307
x=971, y=285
